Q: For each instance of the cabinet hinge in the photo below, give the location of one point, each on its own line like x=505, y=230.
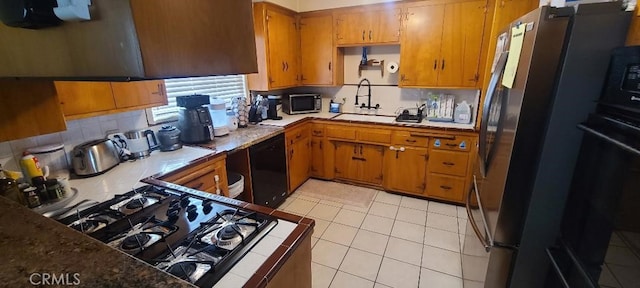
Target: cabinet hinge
x=487, y=9
x=336, y=170
x=266, y=18
x=477, y=77
x=426, y=157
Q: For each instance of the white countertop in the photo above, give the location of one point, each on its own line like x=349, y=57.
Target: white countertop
x=384, y=119
x=127, y=175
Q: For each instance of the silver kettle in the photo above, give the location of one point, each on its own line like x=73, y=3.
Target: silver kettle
x=139, y=143
x=169, y=138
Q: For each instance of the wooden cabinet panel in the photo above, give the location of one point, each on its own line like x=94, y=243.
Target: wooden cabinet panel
x=420, y=45
x=317, y=130
x=29, y=108
x=387, y=27
x=458, y=143
x=345, y=167
x=278, y=48
x=203, y=176
x=406, y=138
x=406, y=171
x=317, y=157
x=461, y=44
x=352, y=28
x=341, y=132
x=441, y=44
x=297, y=133
x=375, y=135
x=139, y=93
x=445, y=187
x=370, y=169
x=84, y=97
x=379, y=26
x=299, y=163
x=448, y=162
x=317, y=50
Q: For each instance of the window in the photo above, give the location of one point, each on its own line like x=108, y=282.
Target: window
x=220, y=87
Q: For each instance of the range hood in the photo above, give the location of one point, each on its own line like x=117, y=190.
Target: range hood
x=133, y=39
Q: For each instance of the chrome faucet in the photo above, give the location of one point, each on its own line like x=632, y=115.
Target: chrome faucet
x=368, y=95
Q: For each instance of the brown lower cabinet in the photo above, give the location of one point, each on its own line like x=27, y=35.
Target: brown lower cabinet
x=202, y=176
x=298, y=146
x=422, y=162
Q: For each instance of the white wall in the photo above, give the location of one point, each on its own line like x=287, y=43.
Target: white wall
x=310, y=5
x=290, y=4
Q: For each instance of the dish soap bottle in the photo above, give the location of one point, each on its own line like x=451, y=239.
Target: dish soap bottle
x=462, y=113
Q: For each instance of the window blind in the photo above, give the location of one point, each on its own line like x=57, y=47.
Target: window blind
x=220, y=87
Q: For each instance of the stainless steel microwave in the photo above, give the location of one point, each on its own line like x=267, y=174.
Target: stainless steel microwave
x=301, y=103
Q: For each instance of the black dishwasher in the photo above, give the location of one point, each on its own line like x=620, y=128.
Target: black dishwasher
x=269, y=171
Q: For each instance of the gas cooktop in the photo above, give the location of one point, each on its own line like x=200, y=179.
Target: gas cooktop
x=194, y=238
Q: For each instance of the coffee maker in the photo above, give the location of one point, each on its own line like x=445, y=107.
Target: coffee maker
x=194, y=119
x=272, y=110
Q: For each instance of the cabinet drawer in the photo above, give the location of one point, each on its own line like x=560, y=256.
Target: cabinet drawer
x=203, y=182
x=405, y=138
x=456, y=144
x=341, y=132
x=297, y=134
x=375, y=135
x=317, y=130
x=445, y=187
x=448, y=162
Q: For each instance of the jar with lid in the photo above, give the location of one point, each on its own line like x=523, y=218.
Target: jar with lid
x=9, y=189
x=32, y=197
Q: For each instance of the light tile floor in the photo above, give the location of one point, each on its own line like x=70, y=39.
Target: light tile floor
x=397, y=241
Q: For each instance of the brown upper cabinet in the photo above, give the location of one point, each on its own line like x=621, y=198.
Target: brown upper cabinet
x=29, y=108
x=368, y=26
x=634, y=29
x=321, y=63
x=278, y=48
x=441, y=44
x=87, y=99
x=138, y=39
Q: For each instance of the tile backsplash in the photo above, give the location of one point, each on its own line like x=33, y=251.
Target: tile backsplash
x=78, y=131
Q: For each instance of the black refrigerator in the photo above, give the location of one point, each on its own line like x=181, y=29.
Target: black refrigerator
x=528, y=141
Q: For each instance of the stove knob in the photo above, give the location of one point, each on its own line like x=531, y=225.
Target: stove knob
x=174, y=202
x=192, y=214
x=206, y=209
x=173, y=214
x=184, y=201
x=207, y=202
x=192, y=208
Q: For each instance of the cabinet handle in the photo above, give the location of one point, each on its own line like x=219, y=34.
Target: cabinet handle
x=286, y=64
x=410, y=140
x=397, y=152
x=282, y=65
x=159, y=92
x=448, y=163
x=445, y=187
x=360, y=149
x=435, y=64
x=317, y=132
x=370, y=38
x=291, y=154
x=362, y=35
x=358, y=158
x=452, y=145
x=355, y=149
x=321, y=145
x=329, y=65
x=198, y=186
x=299, y=135
x=442, y=64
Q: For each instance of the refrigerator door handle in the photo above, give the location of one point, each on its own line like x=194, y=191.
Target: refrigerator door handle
x=486, y=243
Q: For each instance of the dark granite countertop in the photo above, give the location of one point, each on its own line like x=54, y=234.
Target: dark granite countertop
x=30, y=243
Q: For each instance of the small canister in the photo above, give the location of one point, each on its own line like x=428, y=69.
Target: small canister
x=32, y=197
x=54, y=190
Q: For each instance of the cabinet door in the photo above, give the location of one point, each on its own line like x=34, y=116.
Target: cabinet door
x=385, y=27
x=345, y=166
x=139, y=93
x=420, y=46
x=370, y=169
x=316, y=41
x=278, y=33
x=353, y=28
x=299, y=163
x=406, y=170
x=292, y=59
x=317, y=157
x=84, y=97
x=461, y=44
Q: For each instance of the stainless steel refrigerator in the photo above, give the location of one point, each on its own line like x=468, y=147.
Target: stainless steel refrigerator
x=528, y=141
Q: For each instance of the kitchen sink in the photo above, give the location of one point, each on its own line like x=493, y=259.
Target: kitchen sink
x=366, y=118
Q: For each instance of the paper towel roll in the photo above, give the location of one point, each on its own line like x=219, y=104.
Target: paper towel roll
x=392, y=67
x=73, y=10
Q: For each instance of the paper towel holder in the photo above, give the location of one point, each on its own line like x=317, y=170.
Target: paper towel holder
x=29, y=14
